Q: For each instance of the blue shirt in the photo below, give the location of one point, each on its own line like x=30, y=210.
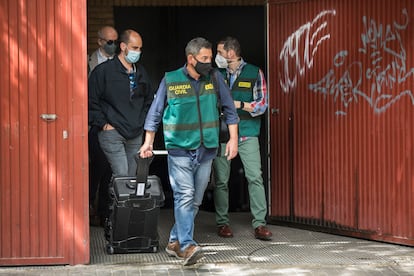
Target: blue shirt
x=156, y=111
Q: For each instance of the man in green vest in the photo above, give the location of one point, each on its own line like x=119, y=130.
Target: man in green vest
x=249, y=91
x=186, y=103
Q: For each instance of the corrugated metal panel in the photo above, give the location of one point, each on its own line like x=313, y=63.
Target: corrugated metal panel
x=341, y=74
x=43, y=182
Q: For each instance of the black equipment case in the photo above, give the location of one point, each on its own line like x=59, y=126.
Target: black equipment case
x=132, y=226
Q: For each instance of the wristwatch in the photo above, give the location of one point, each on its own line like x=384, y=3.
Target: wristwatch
x=241, y=105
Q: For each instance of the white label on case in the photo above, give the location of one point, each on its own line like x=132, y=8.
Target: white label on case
x=140, y=189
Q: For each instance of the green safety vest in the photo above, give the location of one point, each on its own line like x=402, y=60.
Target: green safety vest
x=190, y=118
x=242, y=90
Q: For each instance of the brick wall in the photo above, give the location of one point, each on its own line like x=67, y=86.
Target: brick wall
x=99, y=14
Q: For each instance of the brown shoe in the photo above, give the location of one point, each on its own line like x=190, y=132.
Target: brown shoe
x=262, y=233
x=173, y=250
x=224, y=231
x=191, y=254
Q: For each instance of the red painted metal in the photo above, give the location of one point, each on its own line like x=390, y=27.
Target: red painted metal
x=341, y=74
x=43, y=181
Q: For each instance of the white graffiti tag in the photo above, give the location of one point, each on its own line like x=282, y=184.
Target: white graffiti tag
x=387, y=69
x=308, y=37
x=345, y=88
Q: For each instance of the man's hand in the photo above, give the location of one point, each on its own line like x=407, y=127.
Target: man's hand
x=146, y=149
x=231, y=149
x=108, y=127
x=233, y=143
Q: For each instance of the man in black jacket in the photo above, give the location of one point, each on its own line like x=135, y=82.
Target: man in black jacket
x=120, y=95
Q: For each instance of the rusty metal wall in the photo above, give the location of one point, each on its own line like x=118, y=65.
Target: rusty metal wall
x=341, y=118
x=43, y=165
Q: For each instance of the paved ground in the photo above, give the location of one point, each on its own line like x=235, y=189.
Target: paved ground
x=290, y=252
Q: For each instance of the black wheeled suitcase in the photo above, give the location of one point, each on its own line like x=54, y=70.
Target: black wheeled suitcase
x=132, y=226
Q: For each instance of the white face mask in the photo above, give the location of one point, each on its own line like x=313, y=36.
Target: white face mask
x=221, y=61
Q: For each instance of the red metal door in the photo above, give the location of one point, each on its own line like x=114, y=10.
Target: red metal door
x=43, y=140
x=341, y=77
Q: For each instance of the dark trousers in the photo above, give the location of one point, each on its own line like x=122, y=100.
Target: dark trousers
x=100, y=175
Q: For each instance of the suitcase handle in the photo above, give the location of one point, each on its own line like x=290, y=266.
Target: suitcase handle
x=142, y=174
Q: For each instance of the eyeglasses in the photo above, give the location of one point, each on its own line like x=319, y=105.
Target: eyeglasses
x=109, y=42
x=132, y=85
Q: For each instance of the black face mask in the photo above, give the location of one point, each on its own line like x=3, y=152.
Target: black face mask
x=203, y=68
x=110, y=48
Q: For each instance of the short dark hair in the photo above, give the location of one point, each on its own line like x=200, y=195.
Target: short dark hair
x=231, y=43
x=194, y=46
x=124, y=37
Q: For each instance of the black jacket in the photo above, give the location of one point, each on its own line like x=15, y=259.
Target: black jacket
x=110, y=100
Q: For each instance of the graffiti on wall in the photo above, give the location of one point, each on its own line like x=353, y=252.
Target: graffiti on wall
x=300, y=48
x=386, y=69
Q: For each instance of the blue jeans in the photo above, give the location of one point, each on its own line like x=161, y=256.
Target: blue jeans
x=120, y=152
x=189, y=180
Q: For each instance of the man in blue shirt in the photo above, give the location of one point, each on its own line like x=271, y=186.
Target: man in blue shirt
x=186, y=103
